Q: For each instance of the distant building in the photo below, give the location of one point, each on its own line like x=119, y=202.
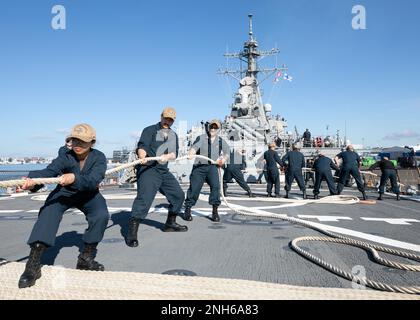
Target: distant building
x=120, y=155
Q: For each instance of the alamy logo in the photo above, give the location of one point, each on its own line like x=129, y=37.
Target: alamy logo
x=58, y=22
x=359, y=20
x=169, y=144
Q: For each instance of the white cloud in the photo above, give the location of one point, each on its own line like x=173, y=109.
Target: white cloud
x=406, y=134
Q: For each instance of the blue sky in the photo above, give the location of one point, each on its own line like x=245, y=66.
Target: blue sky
x=119, y=63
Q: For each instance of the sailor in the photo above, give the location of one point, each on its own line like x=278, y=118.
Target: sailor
x=322, y=167
x=262, y=169
x=272, y=159
x=307, y=138
x=217, y=149
x=388, y=172
x=350, y=167
x=81, y=170
x=66, y=147
x=309, y=174
x=157, y=140
x=233, y=170
x=294, y=161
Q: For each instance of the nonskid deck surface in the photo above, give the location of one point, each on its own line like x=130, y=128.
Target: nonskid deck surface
x=239, y=247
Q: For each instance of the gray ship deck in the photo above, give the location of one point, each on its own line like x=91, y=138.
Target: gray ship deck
x=238, y=248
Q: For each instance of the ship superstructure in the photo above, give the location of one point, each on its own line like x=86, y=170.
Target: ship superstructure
x=251, y=124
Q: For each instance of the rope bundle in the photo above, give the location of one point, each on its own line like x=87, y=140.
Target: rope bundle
x=39, y=181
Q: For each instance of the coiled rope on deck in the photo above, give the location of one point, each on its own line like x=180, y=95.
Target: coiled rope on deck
x=335, y=238
x=245, y=211
x=373, y=249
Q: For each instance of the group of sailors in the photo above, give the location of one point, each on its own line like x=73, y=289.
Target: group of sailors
x=317, y=142
x=293, y=164
x=81, y=168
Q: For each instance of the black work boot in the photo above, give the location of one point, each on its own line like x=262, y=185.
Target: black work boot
x=398, y=197
x=380, y=196
x=364, y=196
x=338, y=191
x=172, y=226
x=215, y=214
x=287, y=195
x=187, y=214
x=250, y=194
x=33, y=266
x=316, y=197
x=304, y=194
x=86, y=259
x=269, y=195
x=133, y=227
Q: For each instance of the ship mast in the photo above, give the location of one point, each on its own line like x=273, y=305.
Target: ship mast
x=248, y=101
x=250, y=55
x=251, y=52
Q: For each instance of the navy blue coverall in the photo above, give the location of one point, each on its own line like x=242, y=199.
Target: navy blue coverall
x=63, y=150
x=296, y=161
x=83, y=194
x=272, y=158
x=154, y=176
x=262, y=165
x=350, y=166
x=233, y=170
x=322, y=167
x=203, y=171
x=388, y=172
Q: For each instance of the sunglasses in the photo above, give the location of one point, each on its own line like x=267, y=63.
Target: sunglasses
x=80, y=143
